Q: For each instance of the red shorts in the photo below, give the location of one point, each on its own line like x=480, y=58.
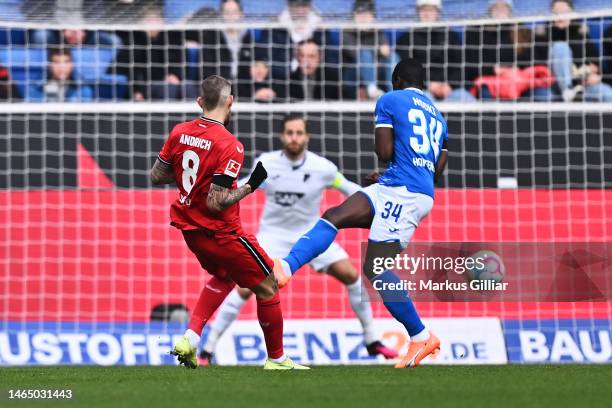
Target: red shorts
x=236, y=257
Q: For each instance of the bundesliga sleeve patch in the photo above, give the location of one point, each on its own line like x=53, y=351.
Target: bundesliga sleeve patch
x=232, y=169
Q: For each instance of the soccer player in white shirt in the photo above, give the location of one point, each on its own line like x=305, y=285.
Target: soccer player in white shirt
x=294, y=189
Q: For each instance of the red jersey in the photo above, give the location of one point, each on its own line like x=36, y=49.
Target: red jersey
x=197, y=150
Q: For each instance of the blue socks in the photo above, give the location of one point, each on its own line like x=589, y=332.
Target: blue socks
x=398, y=303
x=311, y=244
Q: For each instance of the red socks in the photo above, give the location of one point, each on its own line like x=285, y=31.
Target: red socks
x=269, y=313
x=212, y=295
x=270, y=317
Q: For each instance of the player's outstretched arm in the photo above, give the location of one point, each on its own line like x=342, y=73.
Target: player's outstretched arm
x=162, y=173
x=221, y=196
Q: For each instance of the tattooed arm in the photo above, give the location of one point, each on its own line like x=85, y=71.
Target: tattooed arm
x=161, y=173
x=219, y=197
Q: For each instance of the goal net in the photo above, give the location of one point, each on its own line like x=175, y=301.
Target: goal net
x=86, y=250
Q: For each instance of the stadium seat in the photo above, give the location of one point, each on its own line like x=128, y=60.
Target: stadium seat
x=11, y=10
x=111, y=86
x=273, y=7
x=193, y=63
x=523, y=8
x=588, y=5
x=27, y=67
x=334, y=8
x=12, y=37
x=396, y=9
x=597, y=28
x=175, y=10
x=91, y=63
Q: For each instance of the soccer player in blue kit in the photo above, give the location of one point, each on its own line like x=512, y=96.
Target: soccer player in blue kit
x=411, y=135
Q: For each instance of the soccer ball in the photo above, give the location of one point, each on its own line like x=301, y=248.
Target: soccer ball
x=489, y=267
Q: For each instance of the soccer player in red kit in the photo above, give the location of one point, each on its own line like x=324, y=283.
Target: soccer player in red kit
x=204, y=159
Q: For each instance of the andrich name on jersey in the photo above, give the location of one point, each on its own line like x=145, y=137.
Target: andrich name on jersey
x=286, y=198
x=195, y=142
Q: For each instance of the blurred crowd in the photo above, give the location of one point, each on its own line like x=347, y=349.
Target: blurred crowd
x=548, y=61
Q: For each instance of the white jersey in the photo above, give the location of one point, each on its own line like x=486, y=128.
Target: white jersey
x=294, y=191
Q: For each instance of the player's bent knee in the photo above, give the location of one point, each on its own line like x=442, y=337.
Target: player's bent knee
x=354, y=212
x=266, y=289
x=245, y=293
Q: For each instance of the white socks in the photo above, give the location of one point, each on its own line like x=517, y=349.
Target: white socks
x=228, y=312
x=361, y=306
x=193, y=337
x=278, y=360
x=423, y=335
x=286, y=267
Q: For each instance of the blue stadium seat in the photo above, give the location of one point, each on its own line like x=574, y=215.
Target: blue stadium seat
x=91, y=63
x=175, y=10
x=27, y=67
x=111, y=86
x=272, y=7
x=597, y=29
x=11, y=10
x=334, y=7
x=396, y=9
x=589, y=5
x=533, y=7
x=193, y=63
x=462, y=9
x=12, y=37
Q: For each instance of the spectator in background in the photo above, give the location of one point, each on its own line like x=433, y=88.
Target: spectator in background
x=493, y=50
x=229, y=52
x=76, y=37
x=574, y=58
x=260, y=87
x=302, y=23
x=311, y=81
x=440, y=51
x=8, y=91
x=368, y=51
x=153, y=60
x=61, y=85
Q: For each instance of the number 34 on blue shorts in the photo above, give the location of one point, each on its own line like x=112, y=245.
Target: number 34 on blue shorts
x=397, y=212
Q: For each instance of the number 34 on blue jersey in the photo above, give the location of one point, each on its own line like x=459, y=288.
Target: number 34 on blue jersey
x=425, y=138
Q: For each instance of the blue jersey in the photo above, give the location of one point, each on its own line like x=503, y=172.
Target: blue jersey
x=420, y=133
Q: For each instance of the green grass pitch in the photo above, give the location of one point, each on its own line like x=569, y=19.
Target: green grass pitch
x=343, y=386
